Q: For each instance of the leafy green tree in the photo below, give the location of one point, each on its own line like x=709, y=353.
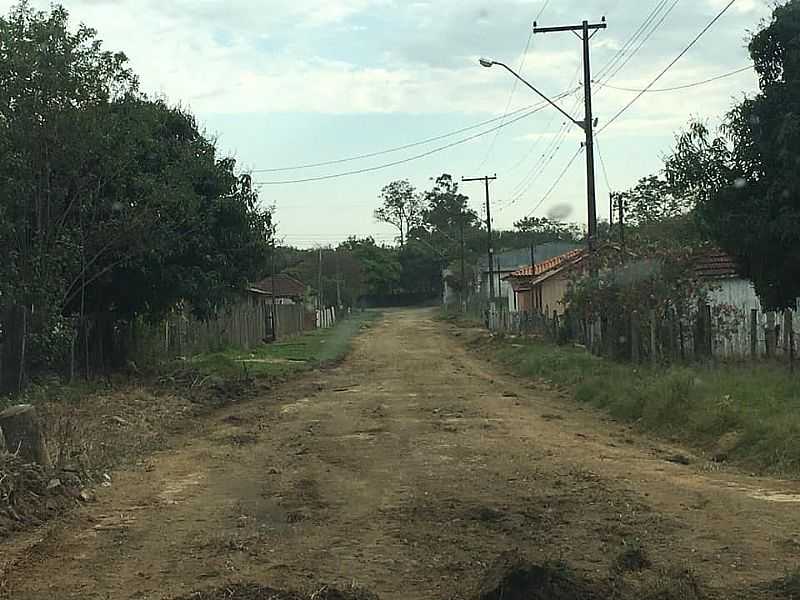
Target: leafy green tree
x=110, y=202
x=401, y=207
x=380, y=265
x=656, y=216
x=540, y=230
x=746, y=181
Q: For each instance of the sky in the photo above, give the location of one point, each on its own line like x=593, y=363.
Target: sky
x=285, y=83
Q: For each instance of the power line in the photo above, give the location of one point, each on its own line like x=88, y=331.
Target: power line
x=678, y=87
x=520, y=69
x=410, y=158
x=669, y=66
x=554, y=116
x=508, y=102
x=642, y=42
x=396, y=148
x=631, y=40
x=538, y=170
x=556, y=182
x=602, y=163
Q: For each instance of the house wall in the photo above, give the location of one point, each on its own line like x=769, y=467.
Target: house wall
x=502, y=288
x=736, y=292
x=553, y=292
x=738, y=296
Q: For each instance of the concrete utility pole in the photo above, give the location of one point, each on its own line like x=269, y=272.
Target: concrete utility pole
x=588, y=123
x=490, y=250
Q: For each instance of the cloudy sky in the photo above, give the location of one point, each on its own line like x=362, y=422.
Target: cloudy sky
x=282, y=83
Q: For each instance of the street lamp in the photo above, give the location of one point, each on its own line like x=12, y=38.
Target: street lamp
x=485, y=62
x=586, y=125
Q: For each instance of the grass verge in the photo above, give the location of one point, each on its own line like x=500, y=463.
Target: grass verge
x=749, y=413
x=283, y=358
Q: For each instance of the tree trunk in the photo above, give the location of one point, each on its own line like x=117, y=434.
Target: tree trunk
x=12, y=361
x=23, y=434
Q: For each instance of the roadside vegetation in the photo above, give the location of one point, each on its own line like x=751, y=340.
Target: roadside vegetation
x=275, y=361
x=748, y=413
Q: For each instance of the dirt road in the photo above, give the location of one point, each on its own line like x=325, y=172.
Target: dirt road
x=407, y=469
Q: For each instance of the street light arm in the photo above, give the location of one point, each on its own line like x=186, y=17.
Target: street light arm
x=553, y=104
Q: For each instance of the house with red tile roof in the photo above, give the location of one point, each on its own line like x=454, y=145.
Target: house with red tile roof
x=541, y=288
x=507, y=262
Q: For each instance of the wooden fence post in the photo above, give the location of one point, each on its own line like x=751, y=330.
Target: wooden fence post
x=754, y=333
x=770, y=334
x=555, y=325
x=635, y=336
x=787, y=327
x=653, y=339
x=12, y=361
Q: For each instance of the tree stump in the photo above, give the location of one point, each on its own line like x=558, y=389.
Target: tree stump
x=23, y=434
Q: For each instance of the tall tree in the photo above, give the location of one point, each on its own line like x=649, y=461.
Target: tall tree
x=111, y=202
x=401, y=207
x=746, y=180
x=541, y=230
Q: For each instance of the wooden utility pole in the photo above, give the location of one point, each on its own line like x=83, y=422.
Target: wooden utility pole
x=274, y=308
x=533, y=270
x=490, y=250
x=587, y=30
x=463, y=271
x=338, y=280
x=319, y=281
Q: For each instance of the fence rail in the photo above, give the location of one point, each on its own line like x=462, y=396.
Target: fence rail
x=102, y=343
x=709, y=332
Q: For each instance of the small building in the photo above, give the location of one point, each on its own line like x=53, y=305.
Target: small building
x=542, y=288
x=287, y=289
x=511, y=261
x=720, y=271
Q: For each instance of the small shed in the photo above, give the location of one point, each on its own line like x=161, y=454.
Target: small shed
x=287, y=289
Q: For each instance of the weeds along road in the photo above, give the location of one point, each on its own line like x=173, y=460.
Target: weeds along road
x=408, y=469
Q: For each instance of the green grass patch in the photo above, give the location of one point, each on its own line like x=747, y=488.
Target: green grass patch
x=749, y=413
x=288, y=356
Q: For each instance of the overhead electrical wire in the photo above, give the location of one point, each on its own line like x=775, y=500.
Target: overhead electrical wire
x=508, y=102
x=685, y=86
x=602, y=163
x=556, y=182
x=396, y=148
x=614, y=60
x=554, y=116
x=427, y=153
x=551, y=151
x=613, y=72
x=669, y=66
x=514, y=84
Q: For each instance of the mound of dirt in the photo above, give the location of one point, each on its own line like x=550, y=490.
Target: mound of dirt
x=511, y=577
x=30, y=496
x=252, y=591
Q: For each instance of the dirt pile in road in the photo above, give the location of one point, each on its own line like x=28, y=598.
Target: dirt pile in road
x=251, y=591
x=511, y=577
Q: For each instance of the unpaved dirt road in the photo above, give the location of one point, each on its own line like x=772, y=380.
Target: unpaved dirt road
x=408, y=468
